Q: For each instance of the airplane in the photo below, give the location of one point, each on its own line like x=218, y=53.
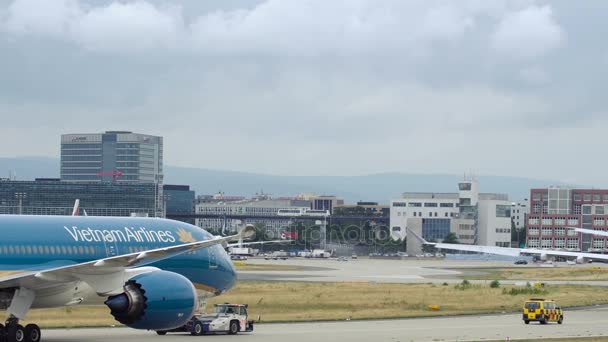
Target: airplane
x=543, y=254
x=151, y=272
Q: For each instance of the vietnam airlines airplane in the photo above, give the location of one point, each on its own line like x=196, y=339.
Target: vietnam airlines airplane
x=543, y=254
x=150, y=272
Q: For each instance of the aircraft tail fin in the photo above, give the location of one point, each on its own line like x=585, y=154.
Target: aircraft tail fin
x=76, y=207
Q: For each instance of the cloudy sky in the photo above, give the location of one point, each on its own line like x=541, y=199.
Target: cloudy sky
x=316, y=87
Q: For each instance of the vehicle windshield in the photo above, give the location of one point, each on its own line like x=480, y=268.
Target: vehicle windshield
x=532, y=305
x=225, y=309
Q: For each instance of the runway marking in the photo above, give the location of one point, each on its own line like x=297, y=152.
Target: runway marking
x=399, y=276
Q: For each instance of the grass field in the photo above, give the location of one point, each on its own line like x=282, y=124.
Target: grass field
x=302, y=301
x=537, y=273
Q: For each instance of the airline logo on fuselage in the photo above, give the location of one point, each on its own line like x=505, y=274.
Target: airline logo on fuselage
x=126, y=234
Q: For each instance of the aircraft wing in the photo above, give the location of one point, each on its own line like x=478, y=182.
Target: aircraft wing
x=257, y=243
x=520, y=251
x=591, y=231
x=107, y=276
x=479, y=249
x=514, y=252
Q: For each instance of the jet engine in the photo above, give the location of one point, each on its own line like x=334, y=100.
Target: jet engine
x=158, y=300
x=544, y=257
x=581, y=260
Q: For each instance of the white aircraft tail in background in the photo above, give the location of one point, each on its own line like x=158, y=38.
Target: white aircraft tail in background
x=76, y=207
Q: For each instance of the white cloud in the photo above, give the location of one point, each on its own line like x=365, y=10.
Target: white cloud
x=528, y=33
x=274, y=27
x=126, y=26
x=41, y=17
x=534, y=75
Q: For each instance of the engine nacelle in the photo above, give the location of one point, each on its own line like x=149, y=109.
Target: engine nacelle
x=581, y=260
x=544, y=257
x=157, y=300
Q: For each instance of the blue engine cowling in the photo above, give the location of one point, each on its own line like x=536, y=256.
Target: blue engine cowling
x=157, y=300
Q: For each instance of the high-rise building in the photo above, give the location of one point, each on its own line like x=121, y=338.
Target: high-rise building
x=113, y=156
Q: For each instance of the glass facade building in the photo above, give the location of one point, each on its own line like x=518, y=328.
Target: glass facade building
x=55, y=197
x=179, y=199
x=435, y=229
x=99, y=157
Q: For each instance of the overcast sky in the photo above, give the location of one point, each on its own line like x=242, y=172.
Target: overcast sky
x=316, y=87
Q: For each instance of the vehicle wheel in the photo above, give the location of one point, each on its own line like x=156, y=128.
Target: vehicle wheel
x=543, y=320
x=561, y=320
x=526, y=322
x=197, y=329
x=32, y=333
x=234, y=328
x=161, y=333
x=15, y=333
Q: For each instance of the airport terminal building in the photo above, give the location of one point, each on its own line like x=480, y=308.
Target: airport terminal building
x=230, y=215
x=50, y=196
x=475, y=218
x=553, y=210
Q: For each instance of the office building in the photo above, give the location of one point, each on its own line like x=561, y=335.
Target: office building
x=113, y=156
x=519, y=210
x=179, y=199
x=475, y=218
x=554, y=210
x=55, y=197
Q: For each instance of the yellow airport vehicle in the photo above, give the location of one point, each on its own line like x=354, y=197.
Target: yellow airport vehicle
x=543, y=311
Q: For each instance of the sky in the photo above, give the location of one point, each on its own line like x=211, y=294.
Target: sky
x=316, y=87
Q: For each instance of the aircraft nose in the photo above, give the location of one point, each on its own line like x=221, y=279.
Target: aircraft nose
x=231, y=275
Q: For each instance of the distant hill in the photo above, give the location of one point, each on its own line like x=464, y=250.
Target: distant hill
x=377, y=187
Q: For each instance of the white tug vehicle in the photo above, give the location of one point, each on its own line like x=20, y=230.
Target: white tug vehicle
x=227, y=318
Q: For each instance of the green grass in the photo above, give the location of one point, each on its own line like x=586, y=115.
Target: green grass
x=304, y=301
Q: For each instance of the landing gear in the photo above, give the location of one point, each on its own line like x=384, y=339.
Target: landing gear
x=15, y=332
x=32, y=333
